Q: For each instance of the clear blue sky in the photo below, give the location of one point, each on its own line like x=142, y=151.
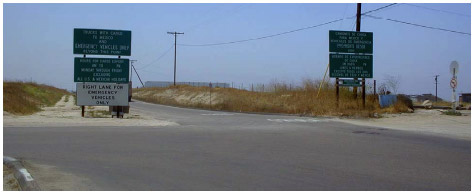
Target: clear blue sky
x=38, y=41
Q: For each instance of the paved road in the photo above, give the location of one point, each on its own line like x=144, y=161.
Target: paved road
x=233, y=151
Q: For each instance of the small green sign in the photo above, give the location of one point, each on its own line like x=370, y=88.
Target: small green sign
x=103, y=70
x=350, y=83
x=351, y=66
x=102, y=42
x=351, y=42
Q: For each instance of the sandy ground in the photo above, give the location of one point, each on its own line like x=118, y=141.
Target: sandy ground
x=422, y=121
x=65, y=113
x=50, y=178
x=184, y=98
x=9, y=181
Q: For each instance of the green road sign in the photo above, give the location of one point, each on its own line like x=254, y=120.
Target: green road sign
x=103, y=70
x=102, y=42
x=350, y=83
x=351, y=66
x=351, y=42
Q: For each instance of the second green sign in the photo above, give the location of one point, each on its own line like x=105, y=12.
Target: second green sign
x=103, y=70
x=351, y=66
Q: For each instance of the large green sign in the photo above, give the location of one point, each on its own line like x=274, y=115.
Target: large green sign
x=351, y=42
x=102, y=42
x=103, y=70
x=351, y=66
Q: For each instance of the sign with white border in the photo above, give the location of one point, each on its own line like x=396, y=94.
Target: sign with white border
x=102, y=94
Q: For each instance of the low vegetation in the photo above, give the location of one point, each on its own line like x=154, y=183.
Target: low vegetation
x=304, y=100
x=23, y=98
x=452, y=113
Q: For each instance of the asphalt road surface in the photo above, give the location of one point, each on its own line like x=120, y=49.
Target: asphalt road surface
x=235, y=151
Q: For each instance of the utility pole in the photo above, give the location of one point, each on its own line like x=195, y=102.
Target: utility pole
x=131, y=64
x=358, y=26
x=363, y=83
x=174, y=70
x=436, y=87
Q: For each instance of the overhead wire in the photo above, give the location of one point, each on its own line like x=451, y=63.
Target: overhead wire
x=157, y=59
x=283, y=33
x=438, y=10
x=380, y=8
x=263, y=37
x=419, y=25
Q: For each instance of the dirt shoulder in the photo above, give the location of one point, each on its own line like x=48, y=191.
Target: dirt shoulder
x=66, y=113
x=422, y=121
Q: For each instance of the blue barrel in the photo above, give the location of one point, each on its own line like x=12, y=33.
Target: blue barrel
x=387, y=100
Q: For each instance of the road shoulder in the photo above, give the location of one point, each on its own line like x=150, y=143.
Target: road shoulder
x=423, y=121
x=65, y=113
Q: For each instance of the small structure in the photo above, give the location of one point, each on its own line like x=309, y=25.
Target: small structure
x=387, y=100
x=423, y=97
x=464, y=97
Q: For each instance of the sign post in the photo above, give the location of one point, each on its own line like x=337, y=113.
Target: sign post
x=454, y=68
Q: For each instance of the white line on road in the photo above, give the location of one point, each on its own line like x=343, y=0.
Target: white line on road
x=297, y=120
x=218, y=114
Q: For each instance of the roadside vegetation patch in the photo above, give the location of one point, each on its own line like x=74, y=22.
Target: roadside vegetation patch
x=452, y=113
x=9, y=181
x=23, y=98
x=279, y=98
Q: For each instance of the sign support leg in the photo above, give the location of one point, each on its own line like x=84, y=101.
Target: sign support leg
x=374, y=90
x=363, y=92
x=82, y=111
x=337, y=89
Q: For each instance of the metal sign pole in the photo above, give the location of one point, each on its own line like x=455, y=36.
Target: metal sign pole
x=363, y=92
x=210, y=87
x=453, y=82
x=337, y=92
x=83, y=108
x=453, y=91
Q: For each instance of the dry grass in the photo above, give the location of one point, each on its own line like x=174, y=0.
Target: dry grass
x=27, y=98
x=300, y=100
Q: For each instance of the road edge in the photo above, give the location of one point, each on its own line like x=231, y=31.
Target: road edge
x=24, y=178
x=238, y=112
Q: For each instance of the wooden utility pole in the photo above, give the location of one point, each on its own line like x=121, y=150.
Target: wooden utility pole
x=174, y=70
x=363, y=84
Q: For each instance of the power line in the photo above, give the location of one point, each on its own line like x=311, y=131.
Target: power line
x=344, y=14
x=283, y=33
x=438, y=10
x=419, y=25
x=160, y=57
x=374, y=10
x=148, y=71
x=378, y=9
x=263, y=37
x=229, y=13
x=429, y=27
